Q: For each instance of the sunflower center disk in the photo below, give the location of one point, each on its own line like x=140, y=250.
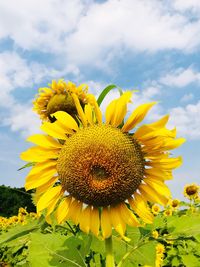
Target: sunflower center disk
x=101, y=166
x=61, y=102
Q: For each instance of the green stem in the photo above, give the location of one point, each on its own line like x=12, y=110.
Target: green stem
x=109, y=252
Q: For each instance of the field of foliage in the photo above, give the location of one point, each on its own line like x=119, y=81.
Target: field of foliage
x=172, y=240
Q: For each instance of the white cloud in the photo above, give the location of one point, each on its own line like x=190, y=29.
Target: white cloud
x=180, y=77
x=22, y=119
x=95, y=87
x=187, y=120
x=185, y=5
x=187, y=98
x=95, y=33
x=114, y=26
x=39, y=24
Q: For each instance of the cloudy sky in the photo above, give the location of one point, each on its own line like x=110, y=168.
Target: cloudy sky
x=149, y=45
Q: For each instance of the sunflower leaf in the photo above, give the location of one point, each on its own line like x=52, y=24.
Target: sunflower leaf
x=27, y=165
x=105, y=92
x=56, y=250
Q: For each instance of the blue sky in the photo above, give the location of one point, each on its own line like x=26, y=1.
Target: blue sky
x=149, y=45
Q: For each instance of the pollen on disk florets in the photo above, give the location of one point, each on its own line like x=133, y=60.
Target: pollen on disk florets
x=100, y=165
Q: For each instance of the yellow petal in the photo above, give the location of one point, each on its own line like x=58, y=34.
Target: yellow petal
x=116, y=220
x=106, y=227
x=38, y=154
x=169, y=163
x=137, y=116
x=160, y=123
x=158, y=186
x=45, y=89
x=54, y=130
x=63, y=209
x=128, y=216
x=75, y=211
x=92, y=101
x=89, y=113
x=65, y=119
x=117, y=109
x=110, y=111
x=149, y=194
x=79, y=110
x=160, y=174
x=147, y=128
x=85, y=220
x=52, y=204
x=42, y=166
x=150, y=137
x=160, y=144
x=77, y=214
x=44, y=141
x=41, y=189
x=171, y=144
x=95, y=222
x=141, y=208
x=47, y=197
x=36, y=180
x=98, y=112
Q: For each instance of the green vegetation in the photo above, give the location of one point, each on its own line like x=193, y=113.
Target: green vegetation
x=170, y=241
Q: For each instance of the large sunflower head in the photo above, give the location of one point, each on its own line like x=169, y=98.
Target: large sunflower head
x=58, y=97
x=102, y=174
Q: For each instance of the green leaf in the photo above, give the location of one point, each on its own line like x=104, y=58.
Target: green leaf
x=134, y=233
x=190, y=260
x=105, y=92
x=19, y=231
x=176, y=262
x=30, y=164
x=56, y=250
x=145, y=254
x=185, y=225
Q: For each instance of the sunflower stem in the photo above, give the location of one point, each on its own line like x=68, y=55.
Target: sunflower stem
x=109, y=252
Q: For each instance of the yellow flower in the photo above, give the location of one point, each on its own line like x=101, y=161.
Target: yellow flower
x=160, y=249
x=22, y=211
x=155, y=209
x=168, y=212
x=58, y=97
x=174, y=203
x=191, y=191
x=155, y=234
x=87, y=172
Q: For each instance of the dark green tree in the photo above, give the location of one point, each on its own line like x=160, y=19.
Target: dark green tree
x=11, y=199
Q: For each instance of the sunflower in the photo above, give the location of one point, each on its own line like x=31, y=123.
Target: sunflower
x=155, y=209
x=168, y=212
x=174, y=203
x=101, y=175
x=155, y=234
x=191, y=191
x=57, y=97
x=160, y=249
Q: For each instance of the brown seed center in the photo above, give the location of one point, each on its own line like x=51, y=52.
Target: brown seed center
x=100, y=165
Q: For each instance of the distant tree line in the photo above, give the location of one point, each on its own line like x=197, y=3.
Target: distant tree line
x=11, y=199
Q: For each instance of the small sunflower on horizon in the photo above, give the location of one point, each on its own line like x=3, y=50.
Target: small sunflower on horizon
x=174, y=203
x=57, y=97
x=155, y=209
x=191, y=191
x=100, y=174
